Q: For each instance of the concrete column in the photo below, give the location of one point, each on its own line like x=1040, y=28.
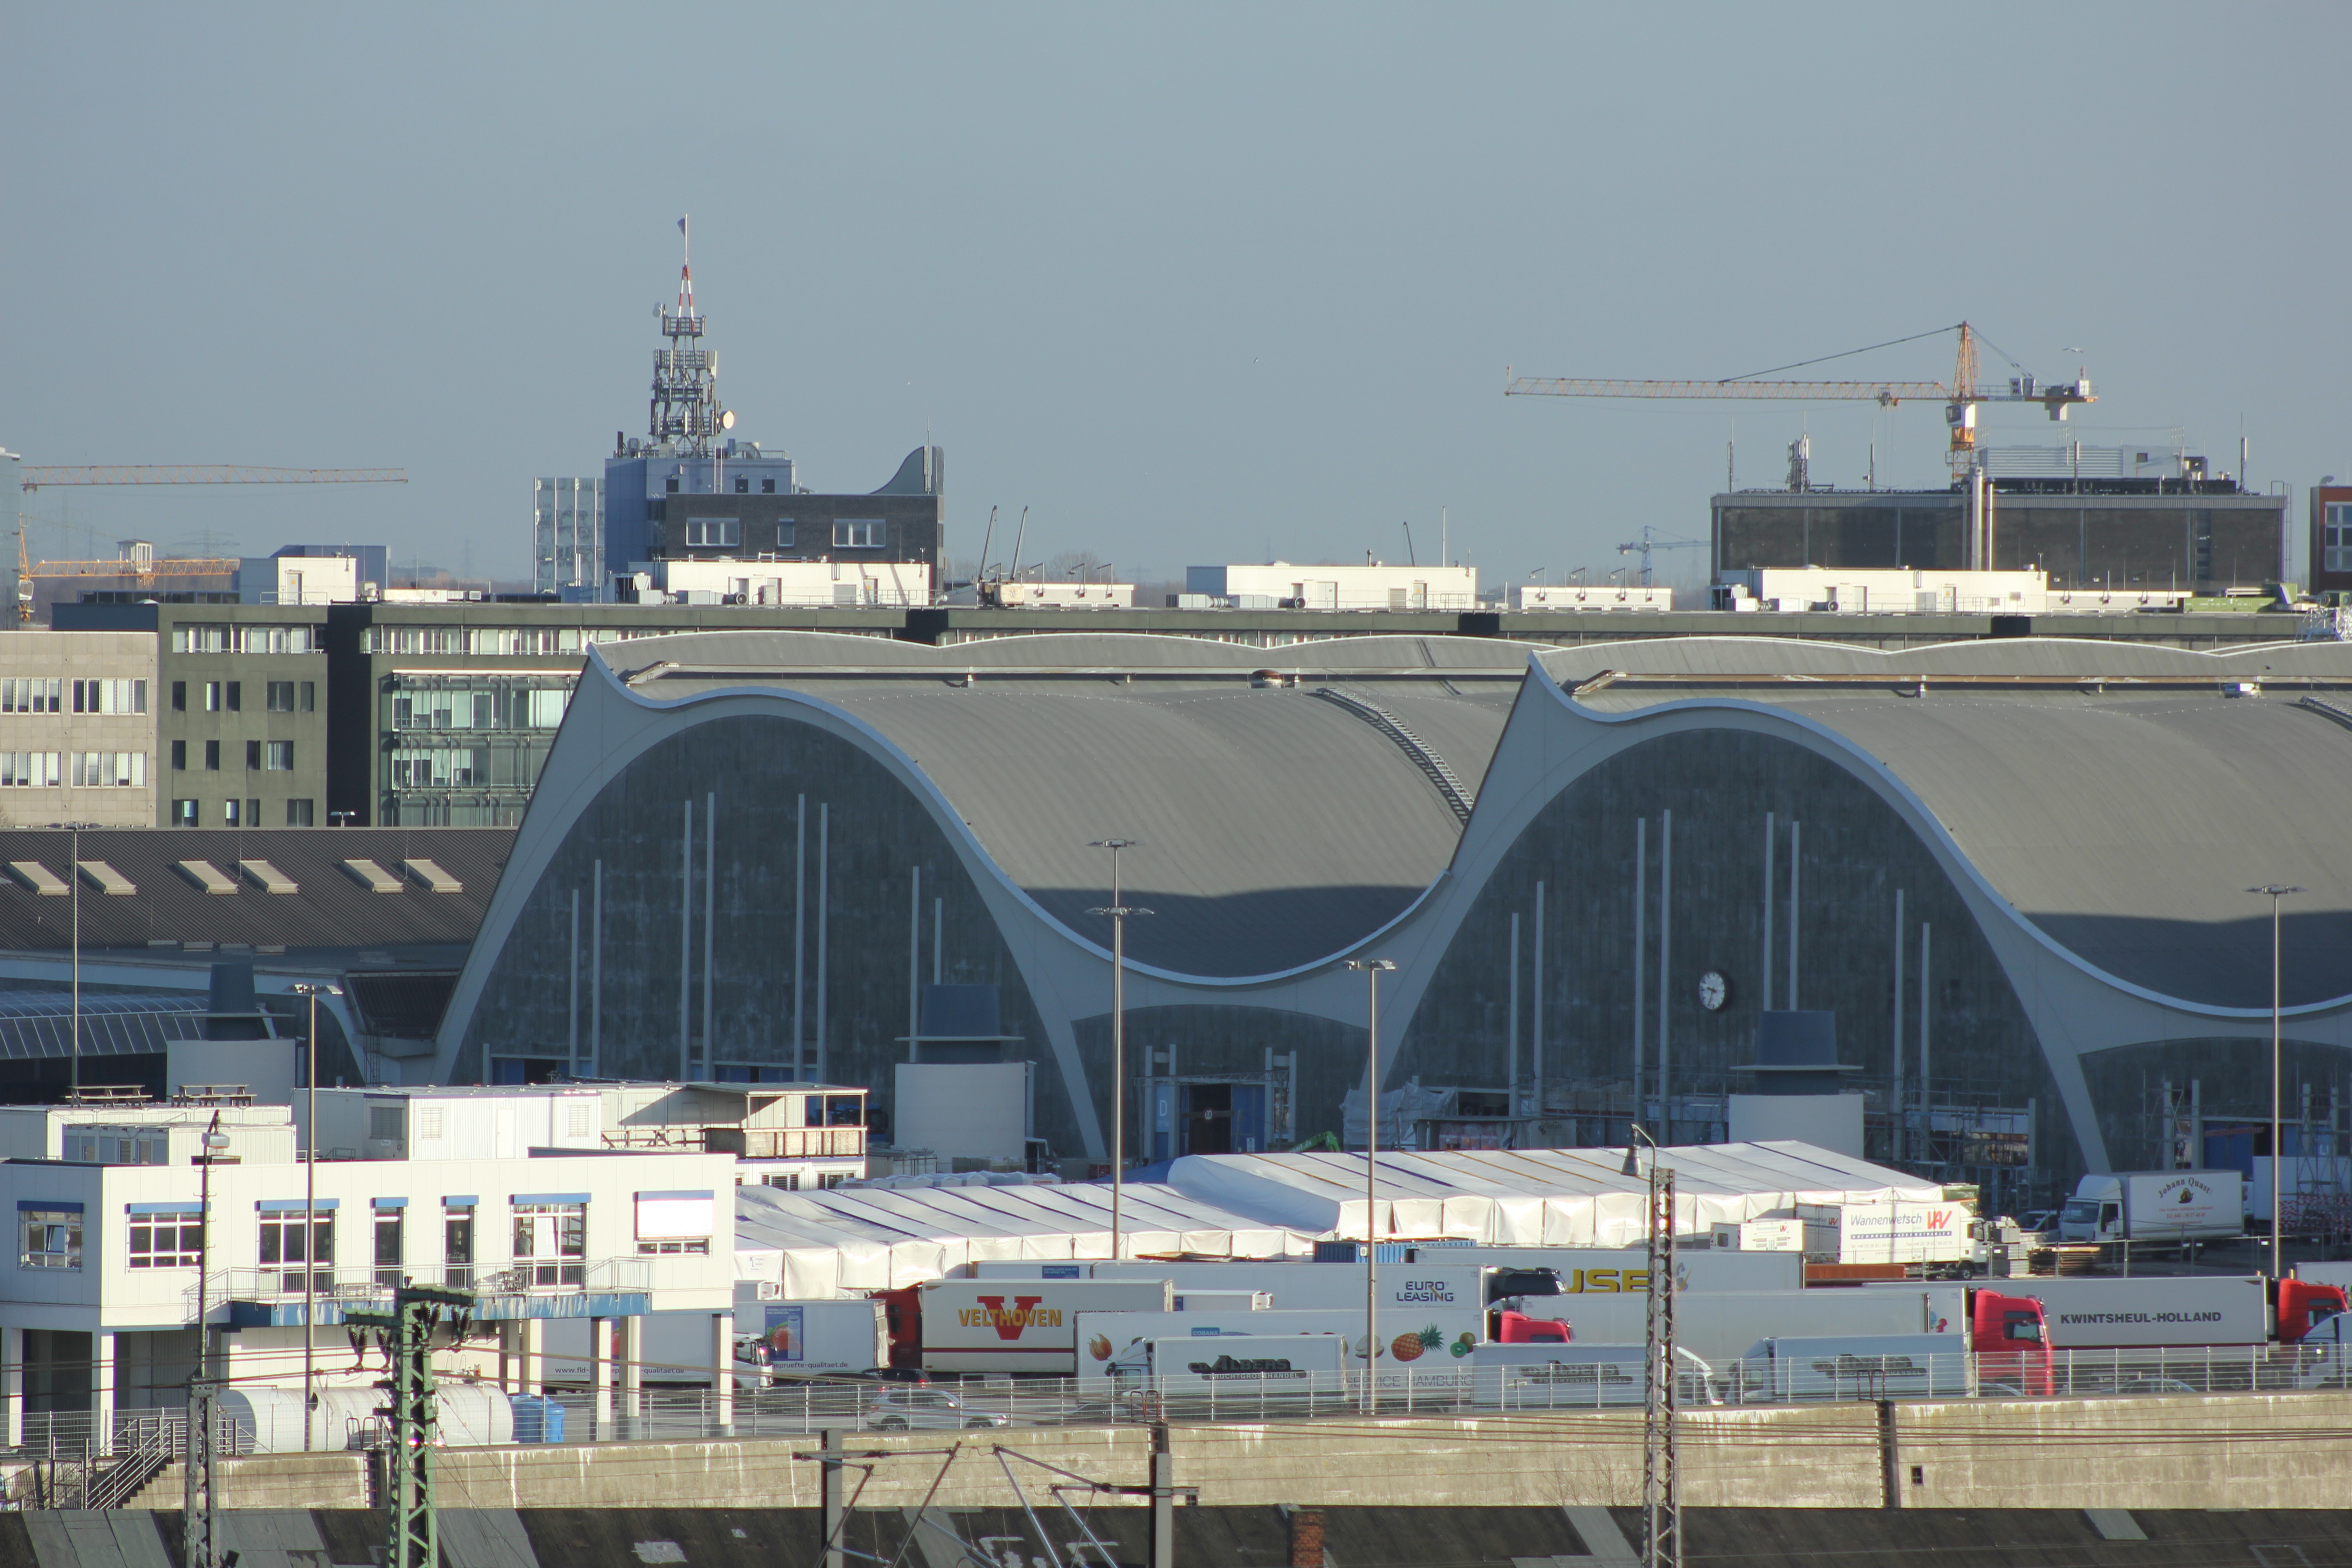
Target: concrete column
x=834, y=1490
x=506, y=1358
x=102, y=1393
x=722, y=1372
x=633, y=1374
x=599, y=1380
x=12, y=1383
x=531, y=1373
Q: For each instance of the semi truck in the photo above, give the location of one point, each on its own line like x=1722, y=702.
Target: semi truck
x=1236, y=1376
x=1015, y=1325
x=1436, y=1276
x=2152, y=1311
x=2155, y=1206
x=1720, y=1326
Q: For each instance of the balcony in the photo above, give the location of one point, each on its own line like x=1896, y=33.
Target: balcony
x=746, y=1143
x=542, y=1287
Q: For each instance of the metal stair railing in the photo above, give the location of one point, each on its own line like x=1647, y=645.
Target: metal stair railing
x=1458, y=796
x=153, y=1446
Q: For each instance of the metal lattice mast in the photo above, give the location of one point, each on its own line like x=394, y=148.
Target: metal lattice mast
x=1662, y=1496
x=197, y=1517
x=413, y=1532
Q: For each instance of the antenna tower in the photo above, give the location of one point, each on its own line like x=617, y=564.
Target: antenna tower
x=685, y=410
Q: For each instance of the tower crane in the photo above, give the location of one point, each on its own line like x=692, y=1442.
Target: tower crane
x=1961, y=400
x=1653, y=540
x=33, y=479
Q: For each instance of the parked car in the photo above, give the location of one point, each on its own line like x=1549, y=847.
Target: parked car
x=899, y=1407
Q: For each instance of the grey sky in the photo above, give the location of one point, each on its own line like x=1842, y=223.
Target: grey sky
x=1192, y=282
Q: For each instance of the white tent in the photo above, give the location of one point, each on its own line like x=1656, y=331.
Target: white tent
x=1536, y=1197
x=820, y=1244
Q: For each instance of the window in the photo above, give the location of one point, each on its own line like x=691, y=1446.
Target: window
x=788, y=1180
x=179, y=697
x=253, y=756
x=212, y=696
x=439, y=767
x=179, y=756
x=2336, y=537
x=576, y=1119
x=235, y=693
x=832, y=1179
x=232, y=814
x=388, y=1255
x=672, y=485
x=766, y=486
x=52, y=1235
x=183, y=813
x=550, y=1243
x=281, y=697
x=109, y=696
x=742, y=484
x=30, y=770
x=299, y=813
x=457, y=1244
x=857, y=533
x=428, y=1122
x=677, y=1222
x=277, y=756
x=387, y=1124
x=32, y=695
x=309, y=696
x=712, y=531
x=109, y=770
x=545, y=709
x=246, y=639
x=786, y=532
x=283, y=1253
x=170, y=1240
x=211, y=756
x=253, y=814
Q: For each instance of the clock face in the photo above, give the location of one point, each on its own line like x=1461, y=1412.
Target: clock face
x=1713, y=990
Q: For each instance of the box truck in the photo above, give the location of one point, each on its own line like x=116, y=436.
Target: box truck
x=2163, y=1311
x=1236, y=1376
x=1021, y=1326
x=1575, y=1377
x=1428, y=1340
x=2155, y=1206
x=812, y=1339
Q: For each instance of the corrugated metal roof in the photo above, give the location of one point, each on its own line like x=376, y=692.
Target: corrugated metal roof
x=329, y=910
x=2126, y=824
x=1272, y=829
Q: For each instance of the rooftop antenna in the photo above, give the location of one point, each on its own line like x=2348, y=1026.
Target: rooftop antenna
x=686, y=408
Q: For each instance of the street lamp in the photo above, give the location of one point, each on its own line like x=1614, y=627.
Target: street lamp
x=2275, y=892
x=310, y=1210
x=73, y=877
x=1117, y=912
x=1372, y=969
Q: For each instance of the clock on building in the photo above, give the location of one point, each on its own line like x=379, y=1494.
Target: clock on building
x=1713, y=990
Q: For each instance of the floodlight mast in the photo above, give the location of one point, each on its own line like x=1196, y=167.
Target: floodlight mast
x=1117, y=911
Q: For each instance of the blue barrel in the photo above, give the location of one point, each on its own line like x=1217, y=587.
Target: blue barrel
x=538, y=1419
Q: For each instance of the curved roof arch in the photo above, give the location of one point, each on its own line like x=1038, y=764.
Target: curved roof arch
x=2112, y=799
x=1273, y=830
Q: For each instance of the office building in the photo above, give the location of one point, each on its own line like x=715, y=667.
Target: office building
x=567, y=535
x=78, y=729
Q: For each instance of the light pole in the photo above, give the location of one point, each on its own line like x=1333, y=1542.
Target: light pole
x=73, y=877
x=197, y=1461
x=1117, y=912
x=1372, y=969
x=2275, y=892
x=311, y=1211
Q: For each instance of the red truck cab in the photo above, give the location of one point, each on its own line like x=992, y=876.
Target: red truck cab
x=1518, y=1329
x=2012, y=1341
x=2298, y=1308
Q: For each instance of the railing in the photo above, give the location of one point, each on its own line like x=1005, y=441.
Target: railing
x=371, y=1287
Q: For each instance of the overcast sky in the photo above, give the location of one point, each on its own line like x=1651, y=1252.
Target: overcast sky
x=1194, y=283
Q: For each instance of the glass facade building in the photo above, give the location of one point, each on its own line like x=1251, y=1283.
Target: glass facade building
x=567, y=534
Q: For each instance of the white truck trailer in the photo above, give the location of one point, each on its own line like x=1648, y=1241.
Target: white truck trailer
x=1719, y=1326
x=1872, y=1366
x=1576, y=1376
x=1024, y=1326
x=1236, y=1376
x=1427, y=1342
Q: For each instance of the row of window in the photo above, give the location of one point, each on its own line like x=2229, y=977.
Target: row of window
x=37, y=695
x=230, y=638
x=499, y=642
x=440, y=767
x=2336, y=537
x=228, y=696
x=241, y=813
x=84, y=769
x=501, y=709
x=550, y=1239
x=260, y=756
x=727, y=532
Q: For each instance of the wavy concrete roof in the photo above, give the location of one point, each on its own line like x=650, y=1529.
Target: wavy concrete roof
x=2112, y=794
x=1274, y=827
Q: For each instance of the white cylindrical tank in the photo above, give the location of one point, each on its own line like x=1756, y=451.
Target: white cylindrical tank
x=269, y=1420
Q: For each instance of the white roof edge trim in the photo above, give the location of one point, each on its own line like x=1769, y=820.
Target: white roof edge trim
x=1942, y=843
x=951, y=821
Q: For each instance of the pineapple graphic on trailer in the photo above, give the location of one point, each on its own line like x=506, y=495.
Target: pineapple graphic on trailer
x=1414, y=1346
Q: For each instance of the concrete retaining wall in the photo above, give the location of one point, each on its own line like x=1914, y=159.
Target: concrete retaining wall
x=2282, y=1451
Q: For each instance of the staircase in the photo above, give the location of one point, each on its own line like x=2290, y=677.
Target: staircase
x=1458, y=797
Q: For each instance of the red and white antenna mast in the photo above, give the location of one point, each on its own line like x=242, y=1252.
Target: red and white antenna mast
x=686, y=411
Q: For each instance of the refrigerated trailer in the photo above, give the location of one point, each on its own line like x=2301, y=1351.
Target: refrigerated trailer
x=1721, y=1325
x=1020, y=1326
x=1428, y=1339
x=2160, y=1310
